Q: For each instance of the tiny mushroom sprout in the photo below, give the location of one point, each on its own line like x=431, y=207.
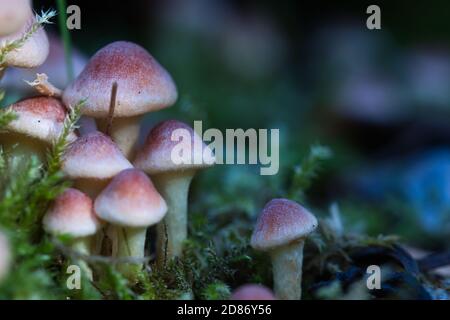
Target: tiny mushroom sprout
x=143, y=86
x=34, y=50
x=91, y=161
x=172, y=178
x=281, y=230
x=252, y=292
x=13, y=15
x=39, y=123
x=5, y=256
x=131, y=204
x=73, y=214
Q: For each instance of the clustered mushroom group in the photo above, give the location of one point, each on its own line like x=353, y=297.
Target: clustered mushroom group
x=119, y=189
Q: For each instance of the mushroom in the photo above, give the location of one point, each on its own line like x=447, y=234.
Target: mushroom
x=252, y=292
x=5, y=256
x=33, y=52
x=13, y=15
x=91, y=161
x=73, y=214
x=281, y=230
x=143, y=86
x=39, y=123
x=131, y=204
x=173, y=179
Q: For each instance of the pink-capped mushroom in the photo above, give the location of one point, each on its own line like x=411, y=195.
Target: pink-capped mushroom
x=131, y=204
x=281, y=230
x=72, y=214
x=143, y=86
x=172, y=178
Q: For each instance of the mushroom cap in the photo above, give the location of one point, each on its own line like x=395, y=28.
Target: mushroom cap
x=5, y=255
x=281, y=222
x=13, y=15
x=73, y=214
x=143, y=84
x=94, y=156
x=252, y=292
x=156, y=154
x=41, y=118
x=34, y=51
x=131, y=200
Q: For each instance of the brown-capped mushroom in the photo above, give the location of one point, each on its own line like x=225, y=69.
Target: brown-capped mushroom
x=33, y=52
x=143, y=86
x=91, y=161
x=131, y=204
x=73, y=214
x=172, y=178
x=39, y=124
x=281, y=230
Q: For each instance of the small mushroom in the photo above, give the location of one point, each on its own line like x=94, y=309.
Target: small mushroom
x=5, y=256
x=13, y=15
x=172, y=179
x=33, y=52
x=73, y=214
x=281, y=230
x=91, y=161
x=143, y=86
x=39, y=124
x=131, y=204
x=252, y=292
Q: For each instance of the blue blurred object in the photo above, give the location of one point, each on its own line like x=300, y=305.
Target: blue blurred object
x=421, y=181
x=426, y=185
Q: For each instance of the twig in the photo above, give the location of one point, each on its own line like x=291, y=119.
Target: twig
x=44, y=87
x=112, y=107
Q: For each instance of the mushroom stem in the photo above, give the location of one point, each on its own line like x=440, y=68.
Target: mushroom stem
x=91, y=187
x=124, y=132
x=174, y=188
x=129, y=243
x=82, y=246
x=87, y=125
x=287, y=264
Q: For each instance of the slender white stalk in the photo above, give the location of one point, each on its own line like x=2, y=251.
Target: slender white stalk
x=124, y=132
x=287, y=262
x=82, y=246
x=91, y=187
x=129, y=243
x=172, y=231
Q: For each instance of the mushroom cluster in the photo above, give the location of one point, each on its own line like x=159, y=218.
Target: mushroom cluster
x=118, y=190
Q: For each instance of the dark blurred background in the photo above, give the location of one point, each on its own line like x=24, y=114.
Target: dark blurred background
x=379, y=98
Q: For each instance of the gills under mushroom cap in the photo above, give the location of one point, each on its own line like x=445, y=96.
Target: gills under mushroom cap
x=131, y=200
x=281, y=222
x=157, y=154
x=73, y=214
x=144, y=85
x=94, y=156
x=41, y=118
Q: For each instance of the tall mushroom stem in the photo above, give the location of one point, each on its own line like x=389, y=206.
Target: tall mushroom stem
x=129, y=243
x=92, y=187
x=174, y=188
x=125, y=133
x=83, y=246
x=287, y=264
